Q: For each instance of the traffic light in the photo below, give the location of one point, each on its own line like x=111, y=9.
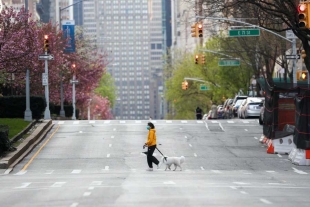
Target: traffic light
x=184, y=85
x=46, y=44
x=304, y=75
x=202, y=59
x=303, y=55
x=194, y=30
x=196, y=59
x=303, y=15
x=200, y=30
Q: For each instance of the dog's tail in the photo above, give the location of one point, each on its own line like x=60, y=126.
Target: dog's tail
x=182, y=159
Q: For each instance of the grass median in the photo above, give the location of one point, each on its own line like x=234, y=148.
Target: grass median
x=15, y=125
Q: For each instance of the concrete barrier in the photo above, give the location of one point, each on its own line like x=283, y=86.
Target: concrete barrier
x=13, y=158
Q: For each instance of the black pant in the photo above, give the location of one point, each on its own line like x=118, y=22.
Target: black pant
x=150, y=157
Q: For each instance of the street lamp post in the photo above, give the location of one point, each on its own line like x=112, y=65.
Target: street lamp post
x=73, y=82
x=88, y=109
x=62, y=111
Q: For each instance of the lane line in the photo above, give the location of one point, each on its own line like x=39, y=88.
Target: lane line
x=112, y=137
x=76, y=171
x=110, y=145
x=97, y=182
x=91, y=188
x=265, y=201
x=190, y=145
x=49, y=172
x=195, y=154
x=202, y=168
x=299, y=171
x=216, y=171
x=279, y=155
x=22, y=172
x=36, y=154
x=58, y=184
x=221, y=127
x=74, y=204
x=245, y=130
x=24, y=185
x=255, y=138
x=87, y=194
x=243, y=192
x=185, y=137
x=108, y=155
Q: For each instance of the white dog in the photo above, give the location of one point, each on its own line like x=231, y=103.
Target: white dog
x=176, y=161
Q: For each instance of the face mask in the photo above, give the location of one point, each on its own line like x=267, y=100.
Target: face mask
x=148, y=127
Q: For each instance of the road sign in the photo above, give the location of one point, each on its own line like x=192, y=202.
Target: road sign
x=74, y=81
x=46, y=57
x=244, y=32
x=292, y=56
x=229, y=62
x=44, y=79
x=203, y=87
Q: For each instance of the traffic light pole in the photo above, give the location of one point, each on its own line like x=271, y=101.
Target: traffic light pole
x=47, y=113
x=293, y=41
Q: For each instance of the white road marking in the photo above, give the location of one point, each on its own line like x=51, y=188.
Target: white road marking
x=245, y=122
x=91, y=188
x=195, y=154
x=265, y=201
x=255, y=138
x=202, y=168
x=58, y=184
x=8, y=171
x=92, y=122
x=270, y=171
x=138, y=121
x=48, y=172
x=245, y=130
x=106, y=122
x=190, y=145
x=216, y=171
x=279, y=155
x=106, y=167
x=221, y=126
x=231, y=122
x=74, y=204
x=22, y=172
x=207, y=127
x=185, y=137
x=97, y=182
x=87, y=194
x=112, y=137
x=243, y=192
x=214, y=122
x=114, y=129
x=241, y=183
x=169, y=183
x=108, y=155
x=122, y=122
x=199, y=122
x=181, y=128
x=80, y=131
x=232, y=187
x=76, y=122
x=168, y=121
x=299, y=171
x=110, y=145
x=183, y=121
x=61, y=122
x=76, y=171
x=24, y=185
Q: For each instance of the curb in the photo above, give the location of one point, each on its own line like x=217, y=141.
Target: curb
x=13, y=158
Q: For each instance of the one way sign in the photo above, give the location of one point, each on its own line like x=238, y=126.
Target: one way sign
x=46, y=57
x=292, y=56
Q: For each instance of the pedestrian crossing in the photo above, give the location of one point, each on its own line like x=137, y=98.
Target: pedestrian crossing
x=107, y=122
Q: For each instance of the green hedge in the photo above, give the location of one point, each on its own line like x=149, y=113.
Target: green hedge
x=55, y=109
x=5, y=144
x=15, y=106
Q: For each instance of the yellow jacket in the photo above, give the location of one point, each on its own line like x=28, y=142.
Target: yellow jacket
x=151, y=138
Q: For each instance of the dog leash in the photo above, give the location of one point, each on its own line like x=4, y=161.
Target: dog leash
x=162, y=154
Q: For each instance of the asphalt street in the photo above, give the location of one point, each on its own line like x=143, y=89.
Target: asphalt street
x=100, y=163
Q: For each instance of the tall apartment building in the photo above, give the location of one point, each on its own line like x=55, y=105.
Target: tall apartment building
x=131, y=33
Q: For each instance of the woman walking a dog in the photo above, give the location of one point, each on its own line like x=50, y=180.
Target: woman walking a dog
x=151, y=146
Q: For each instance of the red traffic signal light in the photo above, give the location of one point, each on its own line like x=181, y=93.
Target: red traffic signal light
x=200, y=30
x=302, y=15
x=46, y=44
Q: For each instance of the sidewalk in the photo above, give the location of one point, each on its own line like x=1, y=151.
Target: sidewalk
x=13, y=158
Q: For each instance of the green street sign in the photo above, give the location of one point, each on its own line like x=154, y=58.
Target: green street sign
x=203, y=88
x=244, y=32
x=229, y=62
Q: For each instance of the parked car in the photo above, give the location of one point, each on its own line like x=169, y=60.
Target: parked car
x=251, y=107
x=236, y=106
x=261, y=114
x=238, y=98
